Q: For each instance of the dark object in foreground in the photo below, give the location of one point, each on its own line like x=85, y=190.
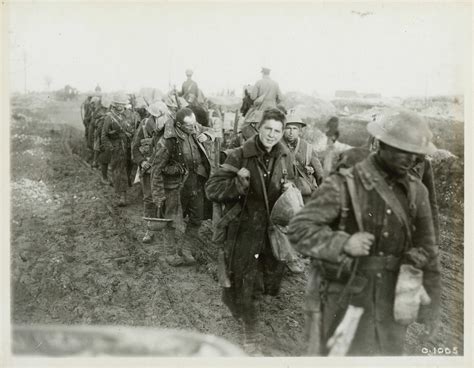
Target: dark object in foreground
x=61, y=341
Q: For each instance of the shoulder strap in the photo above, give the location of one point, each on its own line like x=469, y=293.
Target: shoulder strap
x=412, y=189
x=355, y=201
x=350, y=194
x=344, y=201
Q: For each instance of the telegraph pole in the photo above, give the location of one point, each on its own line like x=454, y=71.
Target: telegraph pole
x=24, y=70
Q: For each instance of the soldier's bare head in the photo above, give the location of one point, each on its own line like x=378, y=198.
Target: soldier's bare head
x=185, y=120
x=270, y=129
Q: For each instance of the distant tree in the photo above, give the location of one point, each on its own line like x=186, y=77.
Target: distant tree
x=48, y=80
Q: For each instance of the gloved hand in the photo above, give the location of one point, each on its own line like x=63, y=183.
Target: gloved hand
x=409, y=294
x=309, y=170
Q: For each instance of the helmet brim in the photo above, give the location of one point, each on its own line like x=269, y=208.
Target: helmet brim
x=378, y=132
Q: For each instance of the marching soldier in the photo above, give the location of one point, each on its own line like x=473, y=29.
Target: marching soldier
x=89, y=108
x=142, y=149
x=180, y=167
x=308, y=166
x=115, y=138
x=253, y=176
x=189, y=89
x=422, y=169
x=266, y=92
x=249, y=129
x=361, y=227
x=101, y=153
x=309, y=172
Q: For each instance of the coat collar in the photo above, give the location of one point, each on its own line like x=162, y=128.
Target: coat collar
x=171, y=131
x=370, y=168
x=250, y=148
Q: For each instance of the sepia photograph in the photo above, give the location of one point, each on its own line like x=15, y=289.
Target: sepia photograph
x=236, y=179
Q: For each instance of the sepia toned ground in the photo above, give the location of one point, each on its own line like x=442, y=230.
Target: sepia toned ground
x=78, y=259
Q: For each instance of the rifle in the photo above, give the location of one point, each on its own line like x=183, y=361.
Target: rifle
x=176, y=97
x=236, y=122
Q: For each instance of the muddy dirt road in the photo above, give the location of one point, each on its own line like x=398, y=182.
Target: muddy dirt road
x=78, y=259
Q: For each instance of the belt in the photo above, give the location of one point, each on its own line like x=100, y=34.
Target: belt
x=376, y=263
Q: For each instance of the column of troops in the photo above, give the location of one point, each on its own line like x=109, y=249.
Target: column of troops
x=369, y=226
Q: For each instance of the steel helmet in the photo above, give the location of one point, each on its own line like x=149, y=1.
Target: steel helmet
x=106, y=101
x=157, y=108
x=140, y=102
x=120, y=98
x=403, y=129
x=189, y=72
x=295, y=119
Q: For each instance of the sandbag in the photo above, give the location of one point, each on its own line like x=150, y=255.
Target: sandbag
x=281, y=247
x=286, y=206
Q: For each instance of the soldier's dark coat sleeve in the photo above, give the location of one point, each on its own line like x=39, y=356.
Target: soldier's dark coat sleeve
x=318, y=168
x=159, y=160
x=310, y=231
x=137, y=156
x=108, y=125
x=223, y=185
x=424, y=237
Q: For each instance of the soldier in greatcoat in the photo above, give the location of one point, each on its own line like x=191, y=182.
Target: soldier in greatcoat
x=116, y=136
x=360, y=227
x=148, y=132
x=180, y=167
x=262, y=162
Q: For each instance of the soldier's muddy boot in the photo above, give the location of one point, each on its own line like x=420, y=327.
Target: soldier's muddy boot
x=104, y=179
x=191, y=235
x=176, y=259
x=122, y=200
x=250, y=343
x=148, y=237
x=187, y=255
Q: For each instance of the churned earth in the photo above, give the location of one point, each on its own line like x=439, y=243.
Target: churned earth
x=76, y=258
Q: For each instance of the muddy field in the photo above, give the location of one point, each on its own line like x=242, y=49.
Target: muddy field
x=78, y=259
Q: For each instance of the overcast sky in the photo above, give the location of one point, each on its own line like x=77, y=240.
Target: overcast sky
x=397, y=50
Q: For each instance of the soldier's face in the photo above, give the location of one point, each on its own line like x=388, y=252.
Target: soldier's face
x=270, y=132
x=292, y=132
x=188, y=124
x=120, y=107
x=397, y=161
